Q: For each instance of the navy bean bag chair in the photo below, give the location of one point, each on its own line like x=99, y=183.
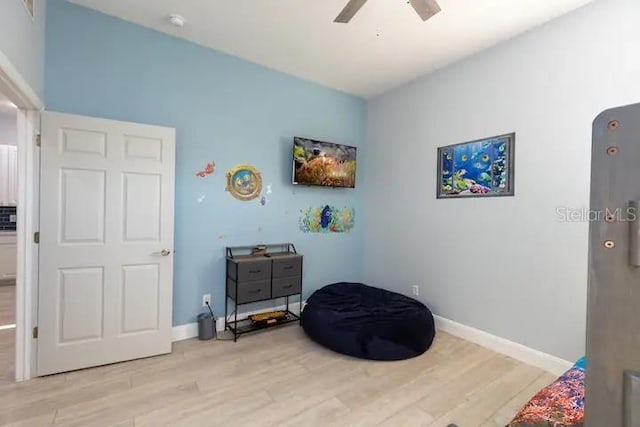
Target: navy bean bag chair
x=367, y=322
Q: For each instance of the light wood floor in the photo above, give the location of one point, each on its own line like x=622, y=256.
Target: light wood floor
x=280, y=378
x=7, y=303
x=7, y=336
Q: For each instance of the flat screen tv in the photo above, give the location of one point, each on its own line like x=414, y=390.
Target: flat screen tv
x=323, y=163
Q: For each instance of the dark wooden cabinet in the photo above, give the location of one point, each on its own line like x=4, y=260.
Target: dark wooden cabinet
x=275, y=272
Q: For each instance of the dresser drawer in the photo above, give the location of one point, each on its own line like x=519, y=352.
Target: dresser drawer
x=287, y=267
x=250, y=270
x=249, y=291
x=287, y=286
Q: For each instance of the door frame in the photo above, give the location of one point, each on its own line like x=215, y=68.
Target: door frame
x=15, y=87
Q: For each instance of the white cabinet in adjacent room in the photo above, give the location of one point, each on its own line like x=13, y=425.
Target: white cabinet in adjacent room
x=7, y=256
x=8, y=197
x=8, y=175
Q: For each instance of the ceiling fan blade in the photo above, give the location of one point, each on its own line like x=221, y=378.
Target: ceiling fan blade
x=349, y=11
x=425, y=8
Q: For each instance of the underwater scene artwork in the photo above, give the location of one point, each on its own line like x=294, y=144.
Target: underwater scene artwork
x=327, y=219
x=477, y=169
x=324, y=163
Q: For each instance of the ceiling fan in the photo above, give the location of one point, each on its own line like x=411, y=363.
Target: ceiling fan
x=425, y=8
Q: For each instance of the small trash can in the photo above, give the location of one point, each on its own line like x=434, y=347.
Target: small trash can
x=206, y=326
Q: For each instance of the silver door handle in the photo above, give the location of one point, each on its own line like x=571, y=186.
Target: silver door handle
x=165, y=252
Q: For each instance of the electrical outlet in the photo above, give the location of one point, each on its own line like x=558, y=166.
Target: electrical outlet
x=416, y=290
x=206, y=298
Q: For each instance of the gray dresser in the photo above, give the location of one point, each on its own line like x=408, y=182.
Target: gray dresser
x=274, y=272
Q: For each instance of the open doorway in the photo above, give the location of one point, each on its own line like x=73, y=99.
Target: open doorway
x=22, y=106
x=8, y=235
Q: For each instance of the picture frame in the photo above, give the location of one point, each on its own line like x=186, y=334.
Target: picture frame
x=479, y=168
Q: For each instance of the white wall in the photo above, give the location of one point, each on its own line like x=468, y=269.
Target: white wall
x=22, y=40
x=8, y=127
x=504, y=265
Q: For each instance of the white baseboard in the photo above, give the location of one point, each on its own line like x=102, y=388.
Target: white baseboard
x=190, y=330
x=184, y=332
x=553, y=364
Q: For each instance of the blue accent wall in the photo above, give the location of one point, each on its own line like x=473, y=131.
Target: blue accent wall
x=224, y=109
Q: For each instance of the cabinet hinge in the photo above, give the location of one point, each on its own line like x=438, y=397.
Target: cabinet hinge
x=35, y=332
x=36, y=237
x=39, y=140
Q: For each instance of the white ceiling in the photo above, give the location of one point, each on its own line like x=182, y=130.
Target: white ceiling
x=384, y=46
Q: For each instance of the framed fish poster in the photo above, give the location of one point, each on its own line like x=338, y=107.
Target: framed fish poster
x=482, y=168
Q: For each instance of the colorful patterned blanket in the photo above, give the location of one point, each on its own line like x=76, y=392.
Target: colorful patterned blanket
x=560, y=404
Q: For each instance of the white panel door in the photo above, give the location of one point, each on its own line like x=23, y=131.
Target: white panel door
x=106, y=242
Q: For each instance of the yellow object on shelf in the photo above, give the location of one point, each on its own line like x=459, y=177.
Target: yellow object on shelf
x=269, y=317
